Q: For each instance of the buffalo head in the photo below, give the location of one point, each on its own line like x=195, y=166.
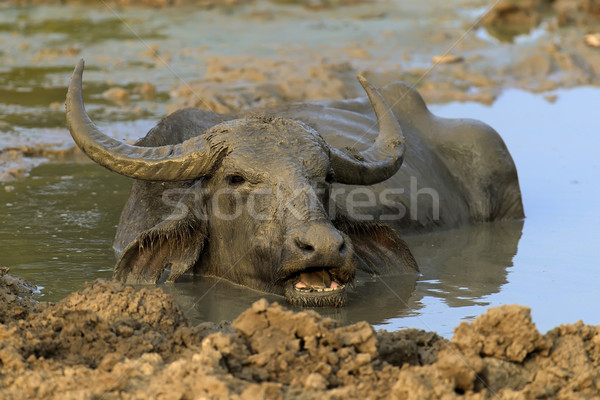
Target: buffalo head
x=251, y=201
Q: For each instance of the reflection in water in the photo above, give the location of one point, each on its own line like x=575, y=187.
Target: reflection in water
x=461, y=267
x=216, y=300
x=512, y=34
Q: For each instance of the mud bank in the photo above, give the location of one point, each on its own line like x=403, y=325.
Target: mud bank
x=16, y=162
x=477, y=64
x=535, y=45
x=111, y=341
x=471, y=72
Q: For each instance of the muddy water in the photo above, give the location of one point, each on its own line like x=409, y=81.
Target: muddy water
x=57, y=223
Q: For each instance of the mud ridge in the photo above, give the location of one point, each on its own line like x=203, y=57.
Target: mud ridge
x=114, y=342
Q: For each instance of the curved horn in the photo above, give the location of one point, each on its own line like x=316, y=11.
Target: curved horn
x=380, y=161
x=188, y=160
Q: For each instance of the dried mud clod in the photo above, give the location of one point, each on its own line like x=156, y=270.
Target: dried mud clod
x=15, y=297
x=110, y=341
x=509, y=18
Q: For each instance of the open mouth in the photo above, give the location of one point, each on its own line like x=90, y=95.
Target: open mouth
x=316, y=287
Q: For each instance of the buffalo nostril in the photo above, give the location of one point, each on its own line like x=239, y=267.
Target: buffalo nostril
x=320, y=241
x=303, y=245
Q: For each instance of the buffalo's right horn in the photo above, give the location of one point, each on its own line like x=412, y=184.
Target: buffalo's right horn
x=380, y=161
x=184, y=161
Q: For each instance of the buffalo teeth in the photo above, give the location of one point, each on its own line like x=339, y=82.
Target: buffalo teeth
x=309, y=289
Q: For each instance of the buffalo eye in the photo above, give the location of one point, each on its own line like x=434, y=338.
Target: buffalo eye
x=235, y=180
x=330, y=178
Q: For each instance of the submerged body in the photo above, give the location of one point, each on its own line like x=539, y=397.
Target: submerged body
x=268, y=200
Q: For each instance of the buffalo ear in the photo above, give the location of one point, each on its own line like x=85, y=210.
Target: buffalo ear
x=155, y=234
x=378, y=248
x=147, y=257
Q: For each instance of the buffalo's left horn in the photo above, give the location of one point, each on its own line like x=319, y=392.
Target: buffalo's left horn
x=188, y=160
x=380, y=161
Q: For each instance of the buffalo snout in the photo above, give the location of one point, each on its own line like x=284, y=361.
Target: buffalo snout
x=317, y=244
x=318, y=265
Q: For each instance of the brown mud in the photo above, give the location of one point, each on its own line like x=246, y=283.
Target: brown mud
x=112, y=342
x=16, y=162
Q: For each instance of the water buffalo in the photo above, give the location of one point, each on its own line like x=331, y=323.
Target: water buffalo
x=296, y=199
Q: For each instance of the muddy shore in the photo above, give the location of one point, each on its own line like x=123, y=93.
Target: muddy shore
x=112, y=342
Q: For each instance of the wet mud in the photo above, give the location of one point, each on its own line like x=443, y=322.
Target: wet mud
x=110, y=341
x=498, y=50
